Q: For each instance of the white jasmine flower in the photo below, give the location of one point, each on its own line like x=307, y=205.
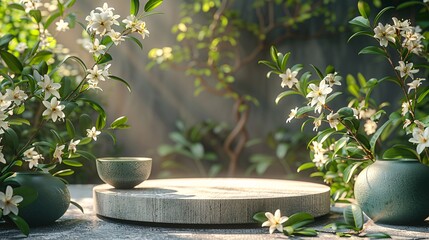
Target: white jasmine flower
x=2, y=159
x=385, y=34
x=31, y=5
x=59, y=152
x=288, y=78
x=412, y=41
x=62, y=26
x=53, y=109
x=3, y=123
x=275, y=221
x=318, y=147
x=333, y=120
x=415, y=84
x=92, y=133
x=320, y=159
x=143, y=30
x=116, y=37
x=95, y=74
x=407, y=123
x=8, y=202
x=332, y=79
x=402, y=26
x=49, y=87
x=33, y=162
x=317, y=122
x=292, y=114
x=16, y=95
x=406, y=69
x=101, y=22
x=370, y=127
x=405, y=108
x=421, y=138
x=131, y=22
x=136, y=25
x=318, y=94
x=364, y=114
x=21, y=47
x=96, y=48
x=73, y=146
x=4, y=103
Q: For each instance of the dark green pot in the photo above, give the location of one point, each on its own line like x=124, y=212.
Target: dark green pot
x=394, y=191
x=52, y=201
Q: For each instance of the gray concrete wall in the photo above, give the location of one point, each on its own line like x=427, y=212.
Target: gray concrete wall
x=159, y=98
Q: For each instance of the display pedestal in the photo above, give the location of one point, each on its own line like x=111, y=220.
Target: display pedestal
x=209, y=200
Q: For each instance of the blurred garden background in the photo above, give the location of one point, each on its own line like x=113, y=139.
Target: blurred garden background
x=201, y=105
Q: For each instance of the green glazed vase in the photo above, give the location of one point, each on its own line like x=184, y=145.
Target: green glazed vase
x=394, y=191
x=52, y=201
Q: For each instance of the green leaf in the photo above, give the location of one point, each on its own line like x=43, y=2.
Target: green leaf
x=70, y=128
x=273, y=54
x=121, y=80
x=11, y=61
x=57, y=136
x=11, y=137
x=349, y=171
x=72, y=163
x=104, y=58
x=299, y=219
x=197, y=150
x=360, y=33
x=18, y=121
x=282, y=150
x=306, y=166
x=377, y=134
x=360, y=21
x=136, y=41
x=284, y=61
x=333, y=96
x=119, y=122
x=284, y=94
x=377, y=235
x=400, y=152
x=377, y=17
x=16, y=6
x=319, y=73
x=134, y=8
x=63, y=173
x=151, y=5
x=260, y=217
x=102, y=118
x=36, y=14
x=353, y=216
x=303, y=110
x=86, y=155
x=423, y=96
x=77, y=205
x=364, y=9
x=4, y=41
x=373, y=50
x=40, y=56
x=306, y=232
x=20, y=223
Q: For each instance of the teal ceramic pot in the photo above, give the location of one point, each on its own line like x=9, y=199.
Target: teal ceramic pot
x=52, y=201
x=124, y=172
x=394, y=191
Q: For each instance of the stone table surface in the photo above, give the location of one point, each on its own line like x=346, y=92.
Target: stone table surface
x=75, y=225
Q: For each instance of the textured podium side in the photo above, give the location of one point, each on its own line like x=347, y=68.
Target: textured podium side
x=209, y=200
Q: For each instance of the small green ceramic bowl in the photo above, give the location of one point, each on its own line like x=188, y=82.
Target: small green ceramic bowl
x=124, y=172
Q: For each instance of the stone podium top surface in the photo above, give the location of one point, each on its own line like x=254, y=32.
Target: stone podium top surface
x=218, y=188
x=75, y=225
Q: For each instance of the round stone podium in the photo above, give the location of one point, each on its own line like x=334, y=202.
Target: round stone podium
x=209, y=200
